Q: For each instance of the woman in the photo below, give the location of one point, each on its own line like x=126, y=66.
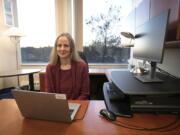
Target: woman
x=66, y=72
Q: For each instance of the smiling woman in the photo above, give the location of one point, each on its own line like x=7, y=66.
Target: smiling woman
x=66, y=72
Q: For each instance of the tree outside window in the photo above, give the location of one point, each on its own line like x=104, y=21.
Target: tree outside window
x=103, y=28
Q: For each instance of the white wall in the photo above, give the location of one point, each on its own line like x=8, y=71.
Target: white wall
x=171, y=61
x=7, y=53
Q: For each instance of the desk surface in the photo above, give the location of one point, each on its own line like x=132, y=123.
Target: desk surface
x=92, y=71
x=98, y=71
x=10, y=73
x=12, y=123
x=20, y=72
x=127, y=83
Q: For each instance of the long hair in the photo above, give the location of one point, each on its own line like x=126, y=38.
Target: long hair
x=54, y=58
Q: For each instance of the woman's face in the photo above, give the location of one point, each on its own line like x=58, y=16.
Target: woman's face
x=63, y=48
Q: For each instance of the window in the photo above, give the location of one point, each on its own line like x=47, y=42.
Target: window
x=37, y=19
x=8, y=12
x=101, y=30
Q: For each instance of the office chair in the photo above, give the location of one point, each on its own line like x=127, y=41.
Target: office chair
x=82, y=56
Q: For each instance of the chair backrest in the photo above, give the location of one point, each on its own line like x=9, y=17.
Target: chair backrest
x=81, y=54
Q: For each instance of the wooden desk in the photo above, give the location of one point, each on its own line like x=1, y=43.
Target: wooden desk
x=12, y=123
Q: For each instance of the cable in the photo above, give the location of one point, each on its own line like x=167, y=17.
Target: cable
x=156, y=128
x=161, y=128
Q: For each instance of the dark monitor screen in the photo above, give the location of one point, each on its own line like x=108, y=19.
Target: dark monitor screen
x=150, y=39
x=149, y=44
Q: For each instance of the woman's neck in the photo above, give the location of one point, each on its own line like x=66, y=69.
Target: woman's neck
x=65, y=64
x=66, y=61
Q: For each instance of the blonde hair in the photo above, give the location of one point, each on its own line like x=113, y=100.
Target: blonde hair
x=54, y=58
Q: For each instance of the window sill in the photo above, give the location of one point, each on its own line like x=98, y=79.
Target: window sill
x=92, y=65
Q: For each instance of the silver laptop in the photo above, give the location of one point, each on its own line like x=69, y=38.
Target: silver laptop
x=45, y=106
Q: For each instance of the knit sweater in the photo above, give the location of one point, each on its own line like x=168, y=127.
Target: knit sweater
x=79, y=83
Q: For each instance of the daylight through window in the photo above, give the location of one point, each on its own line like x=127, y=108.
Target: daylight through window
x=101, y=28
x=37, y=19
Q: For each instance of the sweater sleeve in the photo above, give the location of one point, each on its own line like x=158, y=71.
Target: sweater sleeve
x=84, y=93
x=48, y=79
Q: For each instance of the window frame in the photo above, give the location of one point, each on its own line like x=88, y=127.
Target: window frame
x=75, y=29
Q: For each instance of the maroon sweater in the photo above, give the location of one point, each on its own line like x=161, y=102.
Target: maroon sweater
x=76, y=87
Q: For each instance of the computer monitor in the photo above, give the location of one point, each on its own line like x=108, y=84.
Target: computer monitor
x=149, y=44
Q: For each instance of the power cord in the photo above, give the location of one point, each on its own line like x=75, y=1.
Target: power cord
x=161, y=128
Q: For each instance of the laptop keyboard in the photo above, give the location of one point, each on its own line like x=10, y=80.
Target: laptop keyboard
x=73, y=107
x=71, y=111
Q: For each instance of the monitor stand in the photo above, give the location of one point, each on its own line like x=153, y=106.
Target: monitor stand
x=151, y=77
x=147, y=78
